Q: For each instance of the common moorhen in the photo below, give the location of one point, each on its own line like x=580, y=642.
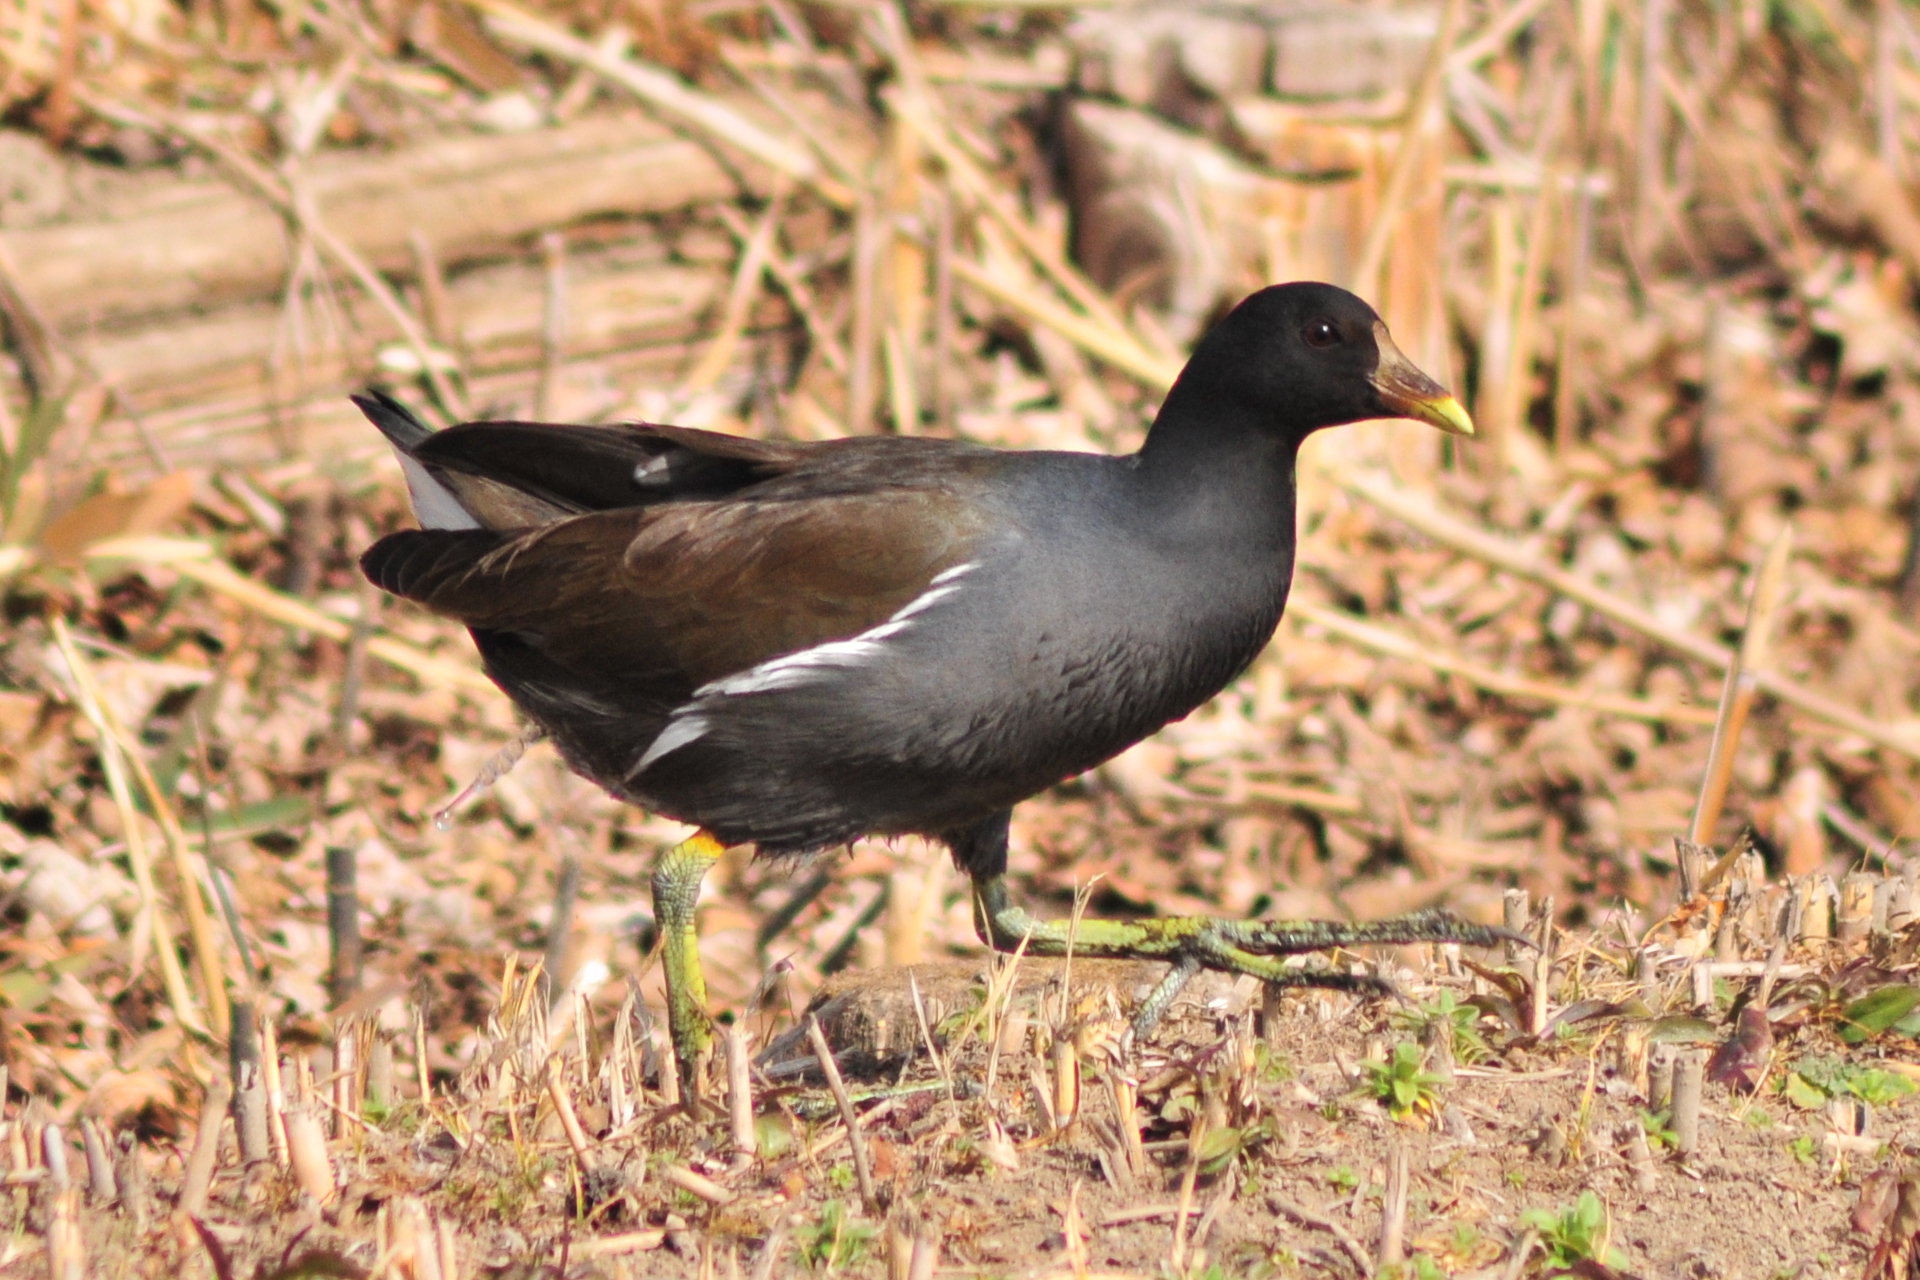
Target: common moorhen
x=795, y=645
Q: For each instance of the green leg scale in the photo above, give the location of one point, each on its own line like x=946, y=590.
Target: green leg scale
x=1193, y=943
x=676, y=890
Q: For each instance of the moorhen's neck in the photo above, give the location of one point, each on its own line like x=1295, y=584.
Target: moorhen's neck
x=1224, y=468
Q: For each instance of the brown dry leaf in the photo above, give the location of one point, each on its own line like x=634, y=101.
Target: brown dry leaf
x=148, y=509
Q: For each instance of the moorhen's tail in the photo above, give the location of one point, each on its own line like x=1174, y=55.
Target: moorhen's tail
x=400, y=425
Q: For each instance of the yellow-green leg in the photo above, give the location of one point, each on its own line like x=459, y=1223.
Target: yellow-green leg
x=676, y=891
x=1193, y=943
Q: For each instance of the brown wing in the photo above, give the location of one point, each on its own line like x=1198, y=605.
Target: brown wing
x=688, y=592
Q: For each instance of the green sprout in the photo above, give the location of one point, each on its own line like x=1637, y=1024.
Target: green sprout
x=1402, y=1085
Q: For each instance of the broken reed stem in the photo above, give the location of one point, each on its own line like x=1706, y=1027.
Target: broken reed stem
x=740, y=1090
x=343, y=923
x=1184, y=1206
x=1737, y=695
x=1420, y=514
x=276, y=1098
x=1393, y=1212
x=1319, y=1221
x=569, y=1119
x=862, y=1169
x=560, y=930
x=249, y=1089
x=1689, y=1076
x=307, y=1151
x=111, y=762
x=206, y=1150
x=102, y=1188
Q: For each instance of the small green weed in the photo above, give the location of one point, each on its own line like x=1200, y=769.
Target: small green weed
x=835, y=1240
x=1469, y=1046
x=1402, y=1085
x=1575, y=1234
x=1816, y=1078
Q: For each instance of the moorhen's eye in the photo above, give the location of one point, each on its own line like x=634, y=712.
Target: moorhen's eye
x=1321, y=333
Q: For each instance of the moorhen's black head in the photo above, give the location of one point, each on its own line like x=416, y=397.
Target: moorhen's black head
x=1294, y=358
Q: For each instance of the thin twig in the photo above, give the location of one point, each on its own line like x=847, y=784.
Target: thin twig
x=1736, y=697
x=855, y=1138
x=112, y=763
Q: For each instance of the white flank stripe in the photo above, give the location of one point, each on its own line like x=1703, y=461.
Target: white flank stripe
x=799, y=668
x=680, y=730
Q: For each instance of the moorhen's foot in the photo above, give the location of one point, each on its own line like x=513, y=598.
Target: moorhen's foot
x=676, y=891
x=1193, y=943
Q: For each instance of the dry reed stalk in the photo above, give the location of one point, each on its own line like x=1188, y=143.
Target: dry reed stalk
x=1122, y=353
x=1650, y=127
x=1177, y=1254
x=1066, y=1082
x=865, y=329
x=114, y=767
x=856, y=1139
x=944, y=318
x=922, y=116
x=1577, y=268
x=436, y=311
x=799, y=294
x=754, y=255
x=307, y=1152
x=276, y=1096
x=1418, y=513
x=199, y=924
x=668, y=94
x=1689, y=1077
x=343, y=924
x=1425, y=118
x=553, y=324
x=740, y=1090
x=1391, y=643
x=249, y=1095
x=906, y=270
x=199, y=562
x=569, y=1118
x=1393, y=1211
x=560, y=931
x=66, y=1246
x=287, y=194
x=102, y=1188
x=1741, y=687
x=198, y=1181
x=604, y=1246
x=1492, y=401
x=697, y=1184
